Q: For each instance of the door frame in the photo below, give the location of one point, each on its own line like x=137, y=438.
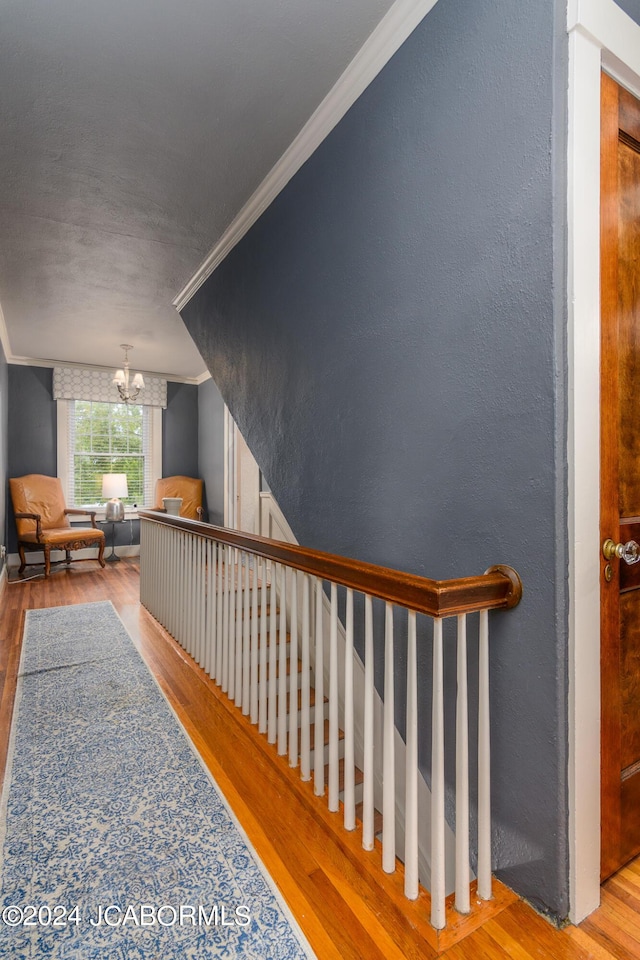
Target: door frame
x=601, y=37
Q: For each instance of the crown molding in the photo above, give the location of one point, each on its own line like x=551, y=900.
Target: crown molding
x=394, y=28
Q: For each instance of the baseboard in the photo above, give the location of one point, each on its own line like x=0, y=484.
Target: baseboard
x=34, y=557
x=3, y=579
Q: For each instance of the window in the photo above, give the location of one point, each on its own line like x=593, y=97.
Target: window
x=96, y=438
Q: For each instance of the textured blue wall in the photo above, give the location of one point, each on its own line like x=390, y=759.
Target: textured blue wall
x=211, y=449
x=389, y=338
x=180, y=431
x=4, y=446
x=33, y=443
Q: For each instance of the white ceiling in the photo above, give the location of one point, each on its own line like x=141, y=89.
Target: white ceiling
x=132, y=132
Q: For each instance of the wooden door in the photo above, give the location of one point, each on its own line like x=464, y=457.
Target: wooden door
x=620, y=473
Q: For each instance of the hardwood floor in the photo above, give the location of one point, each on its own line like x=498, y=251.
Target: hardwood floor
x=345, y=906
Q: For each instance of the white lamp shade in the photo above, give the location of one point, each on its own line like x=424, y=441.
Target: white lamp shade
x=138, y=381
x=114, y=485
x=118, y=376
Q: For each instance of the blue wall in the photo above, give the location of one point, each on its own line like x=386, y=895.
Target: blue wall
x=180, y=431
x=4, y=446
x=33, y=446
x=211, y=449
x=389, y=337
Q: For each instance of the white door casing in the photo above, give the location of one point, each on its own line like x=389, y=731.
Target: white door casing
x=601, y=36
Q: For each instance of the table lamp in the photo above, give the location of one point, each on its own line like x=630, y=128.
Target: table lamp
x=114, y=486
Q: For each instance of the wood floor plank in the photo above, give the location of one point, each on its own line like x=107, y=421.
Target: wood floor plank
x=535, y=934
x=593, y=948
x=607, y=933
x=629, y=893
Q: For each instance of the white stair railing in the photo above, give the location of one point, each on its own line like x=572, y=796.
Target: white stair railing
x=223, y=596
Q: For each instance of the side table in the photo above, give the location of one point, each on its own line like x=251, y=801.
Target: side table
x=113, y=556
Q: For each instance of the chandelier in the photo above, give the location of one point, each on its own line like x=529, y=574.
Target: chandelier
x=128, y=390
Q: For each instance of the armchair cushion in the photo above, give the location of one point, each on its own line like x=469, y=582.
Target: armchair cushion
x=63, y=535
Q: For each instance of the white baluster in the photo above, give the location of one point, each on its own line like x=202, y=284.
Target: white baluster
x=143, y=562
x=235, y=653
x=484, y=763
x=334, y=785
x=202, y=598
x=389, y=775
x=182, y=574
x=227, y=619
x=273, y=637
x=293, y=680
x=233, y=620
x=211, y=607
x=318, y=750
x=246, y=635
x=349, y=749
x=219, y=610
x=193, y=541
x=367, y=786
x=198, y=599
x=203, y=602
x=411, y=768
x=305, y=680
x=186, y=639
x=239, y=631
x=463, y=904
x=168, y=572
x=161, y=583
x=438, y=916
x=151, y=563
x=254, y=641
x=262, y=686
x=282, y=670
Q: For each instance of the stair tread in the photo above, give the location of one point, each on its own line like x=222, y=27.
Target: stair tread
x=358, y=775
x=312, y=734
x=377, y=818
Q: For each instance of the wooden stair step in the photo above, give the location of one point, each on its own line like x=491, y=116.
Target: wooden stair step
x=312, y=734
x=377, y=818
x=312, y=700
x=288, y=670
x=358, y=774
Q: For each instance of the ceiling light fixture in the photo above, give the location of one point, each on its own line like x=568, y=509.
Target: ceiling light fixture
x=128, y=390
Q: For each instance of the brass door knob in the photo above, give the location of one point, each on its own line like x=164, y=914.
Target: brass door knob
x=629, y=552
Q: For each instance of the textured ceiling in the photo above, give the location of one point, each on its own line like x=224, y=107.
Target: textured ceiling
x=132, y=132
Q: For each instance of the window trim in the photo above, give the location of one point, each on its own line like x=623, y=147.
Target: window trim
x=63, y=452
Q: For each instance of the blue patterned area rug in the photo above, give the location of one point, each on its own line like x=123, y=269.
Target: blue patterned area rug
x=116, y=842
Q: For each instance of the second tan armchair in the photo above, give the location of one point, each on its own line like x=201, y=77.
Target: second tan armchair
x=188, y=488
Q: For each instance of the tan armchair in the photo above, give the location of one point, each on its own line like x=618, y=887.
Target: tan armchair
x=188, y=488
x=42, y=521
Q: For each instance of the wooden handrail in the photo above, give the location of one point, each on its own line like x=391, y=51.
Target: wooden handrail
x=499, y=588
